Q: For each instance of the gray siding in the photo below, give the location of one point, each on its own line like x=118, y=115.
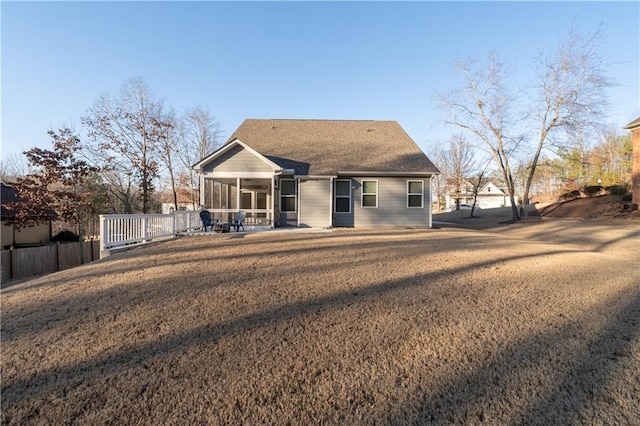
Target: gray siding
x=237, y=160
x=392, y=207
x=288, y=219
x=315, y=203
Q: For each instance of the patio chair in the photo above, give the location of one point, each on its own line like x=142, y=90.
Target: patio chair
x=238, y=222
x=205, y=217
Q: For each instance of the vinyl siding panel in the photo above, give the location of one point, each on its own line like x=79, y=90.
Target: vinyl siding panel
x=315, y=203
x=237, y=160
x=392, y=207
x=40, y=233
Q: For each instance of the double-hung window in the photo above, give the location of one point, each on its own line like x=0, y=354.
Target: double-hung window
x=287, y=195
x=342, y=194
x=415, y=193
x=370, y=193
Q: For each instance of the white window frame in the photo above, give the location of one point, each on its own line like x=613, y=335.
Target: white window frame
x=369, y=193
x=336, y=196
x=421, y=194
x=294, y=196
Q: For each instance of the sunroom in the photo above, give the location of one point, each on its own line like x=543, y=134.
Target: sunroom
x=224, y=197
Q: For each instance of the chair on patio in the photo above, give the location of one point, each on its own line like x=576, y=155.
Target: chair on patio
x=238, y=222
x=205, y=216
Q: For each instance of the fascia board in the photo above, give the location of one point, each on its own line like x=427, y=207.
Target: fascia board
x=303, y=177
x=382, y=174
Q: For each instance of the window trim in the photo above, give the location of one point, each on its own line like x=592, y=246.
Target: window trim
x=294, y=196
x=336, y=196
x=421, y=194
x=369, y=193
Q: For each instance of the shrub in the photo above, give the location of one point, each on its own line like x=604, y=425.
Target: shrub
x=617, y=191
x=568, y=196
x=65, y=236
x=592, y=190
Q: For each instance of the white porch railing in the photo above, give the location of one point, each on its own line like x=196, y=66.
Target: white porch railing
x=119, y=230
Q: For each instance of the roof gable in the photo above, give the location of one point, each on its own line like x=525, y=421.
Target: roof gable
x=490, y=188
x=326, y=147
x=229, y=147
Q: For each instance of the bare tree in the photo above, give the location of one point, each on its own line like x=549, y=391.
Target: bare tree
x=200, y=134
x=571, y=93
x=202, y=131
x=124, y=133
x=477, y=183
x=13, y=167
x=456, y=163
x=439, y=181
x=483, y=106
x=166, y=133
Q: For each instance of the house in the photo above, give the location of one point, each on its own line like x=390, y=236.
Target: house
x=490, y=195
x=11, y=236
x=319, y=173
x=634, y=126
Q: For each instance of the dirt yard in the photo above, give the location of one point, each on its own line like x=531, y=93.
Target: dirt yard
x=534, y=323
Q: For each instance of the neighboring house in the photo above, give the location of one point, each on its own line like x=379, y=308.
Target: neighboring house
x=11, y=236
x=319, y=173
x=490, y=196
x=168, y=208
x=634, y=126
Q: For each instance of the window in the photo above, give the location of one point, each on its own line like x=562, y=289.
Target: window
x=415, y=193
x=287, y=195
x=342, y=192
x=369, y=193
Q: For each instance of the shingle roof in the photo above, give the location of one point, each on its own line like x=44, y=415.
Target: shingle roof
x=326, y=147
x=635, y=123
x=9, y=194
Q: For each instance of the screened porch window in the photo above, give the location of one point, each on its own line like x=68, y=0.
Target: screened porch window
x=287, y=195
x=342, y=191
x=220, y=193
x=223, y=197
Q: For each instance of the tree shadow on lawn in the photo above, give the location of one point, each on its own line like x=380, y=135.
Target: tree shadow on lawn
x=89, y=303
x=579, y=396
x=60, y=379
x=202, y=249
x=592, y=236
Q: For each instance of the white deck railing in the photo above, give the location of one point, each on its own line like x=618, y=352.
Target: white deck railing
x=119, y=230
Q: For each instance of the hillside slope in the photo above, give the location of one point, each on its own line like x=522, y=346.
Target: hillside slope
x=603, y=207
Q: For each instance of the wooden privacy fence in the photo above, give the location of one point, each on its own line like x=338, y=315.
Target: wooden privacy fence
x=121, y=230
x=19, y=263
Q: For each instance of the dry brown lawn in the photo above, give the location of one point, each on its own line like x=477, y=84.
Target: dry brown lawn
x=534, y=323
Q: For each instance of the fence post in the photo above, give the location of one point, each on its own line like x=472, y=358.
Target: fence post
x=173, y=225
x=12, y=257
x=145, y=222
x=103, y=237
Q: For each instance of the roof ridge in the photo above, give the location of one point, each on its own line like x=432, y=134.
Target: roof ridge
x=320, y=119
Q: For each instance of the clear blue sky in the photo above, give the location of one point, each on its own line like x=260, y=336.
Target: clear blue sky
x=356, y=60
